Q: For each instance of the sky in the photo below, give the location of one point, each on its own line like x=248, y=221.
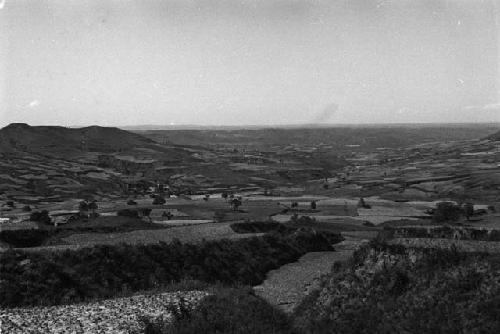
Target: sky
x=249, y=62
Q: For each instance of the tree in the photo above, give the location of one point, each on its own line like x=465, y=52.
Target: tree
x=313, y=205
x=224, y=195
x=92, y=208
x=128, y=213
x=159, y=200
x=236, y=203
x=145, y=212
x=206, y=197
x=362, y=204
x=83, y=209
x=167, y=214
x=446, y=211
x=41, y=217
x=468, y=210
x=219, y=216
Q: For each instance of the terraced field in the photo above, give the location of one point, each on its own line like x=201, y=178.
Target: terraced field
x=186, y=234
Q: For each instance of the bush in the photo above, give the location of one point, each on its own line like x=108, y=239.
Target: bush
x=274, y=227
x=159, y=200
x=219, y=216
x=131, y=202
x=41, y=217
x=260, y=227
x=231, y=311
x=104, y=271
x=24, y=238
x=128, y=213
x=446, y=211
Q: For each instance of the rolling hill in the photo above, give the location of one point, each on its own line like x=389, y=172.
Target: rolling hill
x=56, y=139
x=494, y=137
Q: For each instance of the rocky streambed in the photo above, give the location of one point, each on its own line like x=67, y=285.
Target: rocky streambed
x=120, y=315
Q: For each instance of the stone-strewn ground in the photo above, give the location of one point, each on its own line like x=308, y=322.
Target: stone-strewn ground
x=117, y=316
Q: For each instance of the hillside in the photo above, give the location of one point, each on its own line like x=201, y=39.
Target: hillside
x=494, y=137
x=56, y=163
x=57, y=139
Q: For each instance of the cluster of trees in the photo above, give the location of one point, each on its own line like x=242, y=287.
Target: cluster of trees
x=87, y=209
x=234, y=201
x=159, y=200
x=304, y=223
x=24, y=238
x=30, y=278
x=449, y=211
x=260, y=227
x=135, y=213
x=41, y=217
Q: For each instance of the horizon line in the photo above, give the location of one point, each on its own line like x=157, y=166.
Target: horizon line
x=286, y=125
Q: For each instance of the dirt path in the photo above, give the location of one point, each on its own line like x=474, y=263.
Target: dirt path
x=286, y=286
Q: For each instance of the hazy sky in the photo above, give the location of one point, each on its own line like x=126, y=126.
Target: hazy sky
x=249, y=61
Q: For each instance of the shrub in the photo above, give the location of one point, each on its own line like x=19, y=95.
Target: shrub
x=259, y=227
x=131, y=202
x=128, y=213
x=41, y=217
x=24, y=238
x=446, y=211
x=219, y=216
x=231, y=311
x=159, y=200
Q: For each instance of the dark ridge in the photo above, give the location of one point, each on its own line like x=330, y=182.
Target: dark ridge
x=50, y=139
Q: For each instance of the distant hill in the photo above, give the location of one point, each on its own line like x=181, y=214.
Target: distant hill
x=494, y=137
x=52, y=139
x=341, y=138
